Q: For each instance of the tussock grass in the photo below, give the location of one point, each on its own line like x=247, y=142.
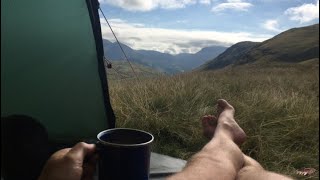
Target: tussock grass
x=277, y=106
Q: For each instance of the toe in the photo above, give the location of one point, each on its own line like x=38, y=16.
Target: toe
x=204, y=121
x=209, y=124
x=223, y=105
x=209, y=120
x=212, y=120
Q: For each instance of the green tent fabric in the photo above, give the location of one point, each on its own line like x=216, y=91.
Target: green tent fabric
x=52, y=72
x=52, y=66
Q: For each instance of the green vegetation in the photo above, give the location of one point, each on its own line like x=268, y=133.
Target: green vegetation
x=230, y=56
x=294, y=45
x=122, y=70
x=277, y=106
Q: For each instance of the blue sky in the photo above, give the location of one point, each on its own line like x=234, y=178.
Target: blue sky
x=176, y=26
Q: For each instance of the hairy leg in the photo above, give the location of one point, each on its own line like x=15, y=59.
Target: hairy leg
x=221, y=158
x=251, y=169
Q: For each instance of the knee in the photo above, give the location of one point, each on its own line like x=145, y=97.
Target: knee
x=247, y=172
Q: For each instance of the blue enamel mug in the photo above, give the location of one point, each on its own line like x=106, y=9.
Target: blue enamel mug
x=124, y=154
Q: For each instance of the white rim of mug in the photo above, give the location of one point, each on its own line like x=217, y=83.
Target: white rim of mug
x=124, y=145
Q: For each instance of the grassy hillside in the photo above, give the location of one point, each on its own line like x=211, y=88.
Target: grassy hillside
x=230, y=56
x=277, y=106
x=122, y=70
x=311, y=62
x=294, y=45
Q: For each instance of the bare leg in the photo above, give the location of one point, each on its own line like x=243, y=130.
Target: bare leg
x=251, y=170
x=221, y=158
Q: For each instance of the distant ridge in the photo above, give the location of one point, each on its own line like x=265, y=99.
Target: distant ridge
x=293, y=46
x=159, y=61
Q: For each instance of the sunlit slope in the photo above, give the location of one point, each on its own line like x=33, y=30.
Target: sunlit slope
x=293, y=46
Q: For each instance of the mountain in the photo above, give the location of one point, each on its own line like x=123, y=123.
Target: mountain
x=292, y=46
x=230, y=56
x=159, y=61
x=112, y=51
x=189, y=61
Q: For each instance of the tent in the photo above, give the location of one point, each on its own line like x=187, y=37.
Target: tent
x=53, y=81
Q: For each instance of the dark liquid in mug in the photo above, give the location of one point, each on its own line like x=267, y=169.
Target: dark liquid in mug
x=125, y=137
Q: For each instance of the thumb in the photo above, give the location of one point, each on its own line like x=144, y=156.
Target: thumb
x=82, y=150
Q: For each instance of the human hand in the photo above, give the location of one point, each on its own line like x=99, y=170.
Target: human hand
x=77, y=163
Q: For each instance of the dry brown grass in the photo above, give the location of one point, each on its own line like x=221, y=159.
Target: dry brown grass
x=277, y=106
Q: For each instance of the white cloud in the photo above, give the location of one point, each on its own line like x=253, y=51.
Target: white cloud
x=237, y=5
x=175, y=4
x=272, y=25
x=148, y=5
x=234, y=1
x=172, y=41
x=132, y=5
x=206, y=2
x=304, y=13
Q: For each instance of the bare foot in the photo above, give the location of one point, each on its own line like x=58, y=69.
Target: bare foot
x=226, y=120
x=209, y=122
x=209, y=125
